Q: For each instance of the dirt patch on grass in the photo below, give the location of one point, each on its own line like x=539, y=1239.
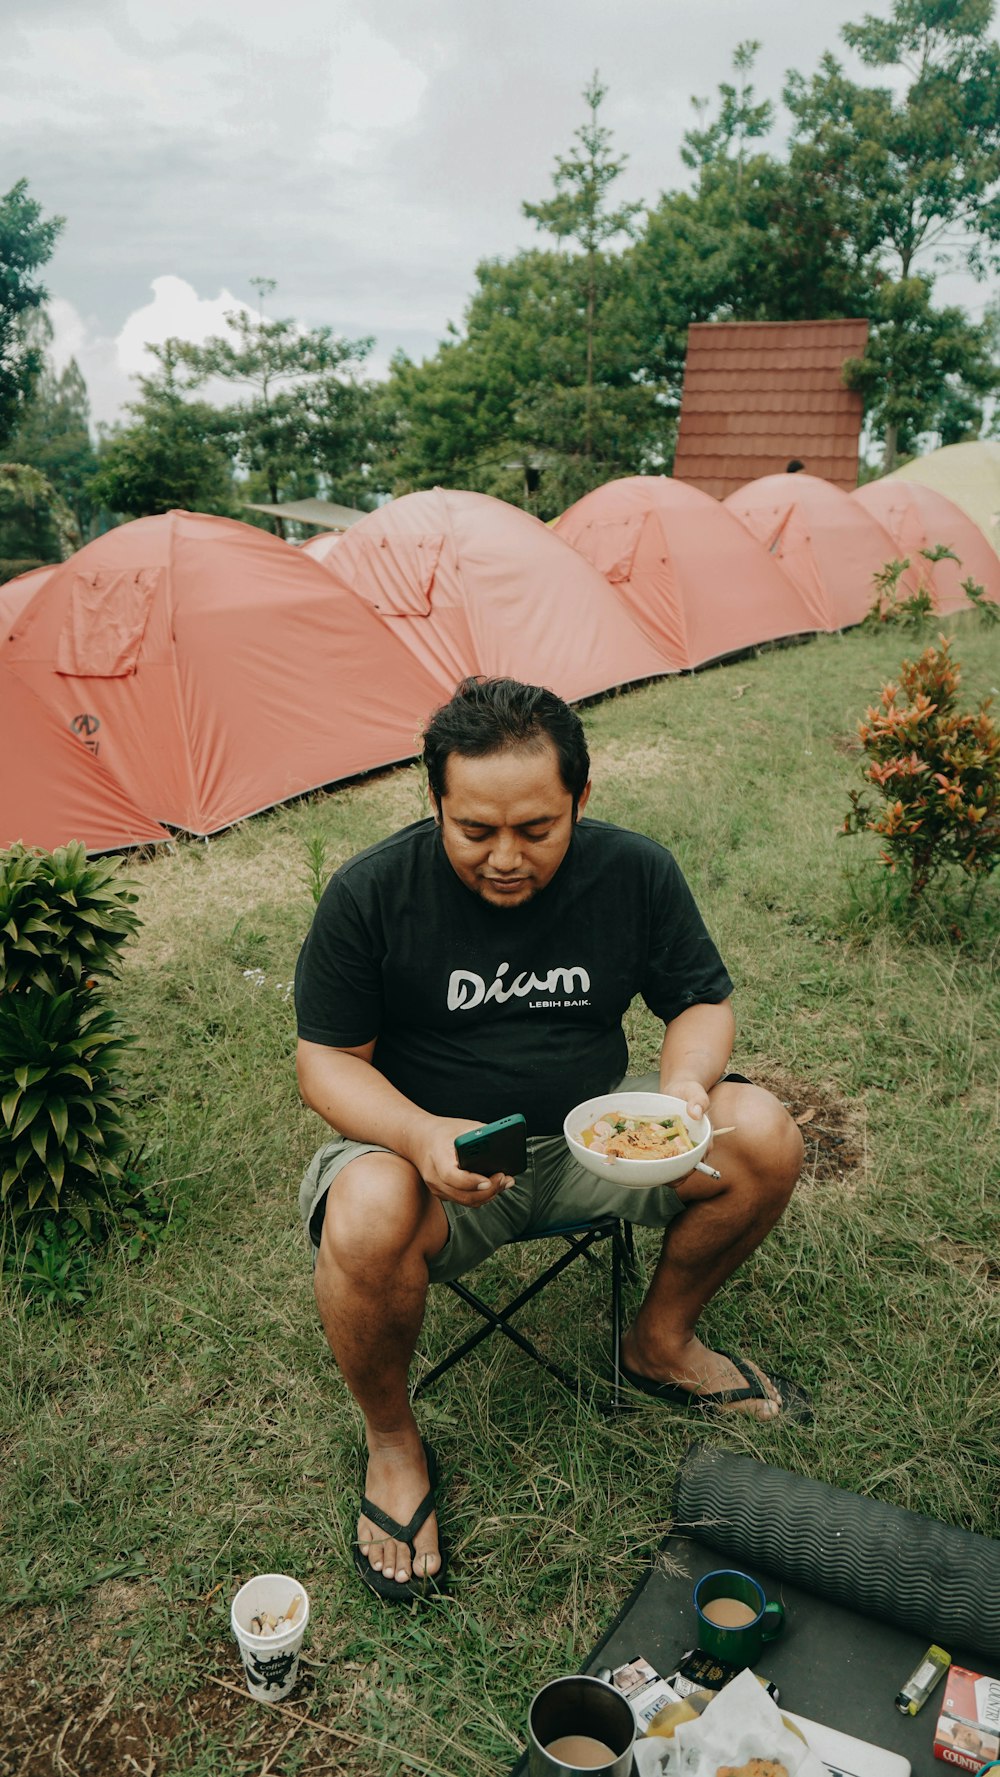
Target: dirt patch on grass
x=45, y=1733
x=112, y=1604
x=93, y=1733
x=832, y=1126
x=618, y=759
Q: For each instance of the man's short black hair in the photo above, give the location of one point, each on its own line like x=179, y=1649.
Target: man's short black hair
x=495, y=715
x=794, y=466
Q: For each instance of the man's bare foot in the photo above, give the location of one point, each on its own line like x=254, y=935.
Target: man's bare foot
x=397, y=1481
x=700, y=1371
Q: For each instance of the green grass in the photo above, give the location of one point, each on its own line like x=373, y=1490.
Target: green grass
x=188, y=1427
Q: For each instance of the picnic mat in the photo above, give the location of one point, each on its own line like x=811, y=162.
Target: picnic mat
x=829, y=1663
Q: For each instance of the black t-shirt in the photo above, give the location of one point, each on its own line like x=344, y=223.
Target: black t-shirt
x=480, y=1011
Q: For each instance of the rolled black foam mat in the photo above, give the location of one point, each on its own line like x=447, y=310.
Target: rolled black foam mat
x=878, y=1559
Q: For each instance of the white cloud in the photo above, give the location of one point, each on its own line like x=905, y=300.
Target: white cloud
x=78, y=336
x=176, y=312
x=69, y=332
x=110, y=365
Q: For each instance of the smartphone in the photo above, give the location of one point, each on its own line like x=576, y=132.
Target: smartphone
x=496, y=1147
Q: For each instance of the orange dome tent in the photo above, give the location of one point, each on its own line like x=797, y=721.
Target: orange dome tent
x=825, y=541
x=322, y=546
x=472, y=585
x=217, y=670
x=683, y=568
x=917, y=518
x=14, y=595
x=52, y=789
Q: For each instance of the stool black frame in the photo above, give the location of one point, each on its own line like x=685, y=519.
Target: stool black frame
x=579, y=1238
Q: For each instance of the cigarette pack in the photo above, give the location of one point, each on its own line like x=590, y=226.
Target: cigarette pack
x=646, y=1691
x=968, y=1729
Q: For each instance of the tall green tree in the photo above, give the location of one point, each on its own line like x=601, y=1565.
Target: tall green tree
x=750, y=241
x=580, y=212
x=913, y=170
x=27, y=240
x=54, y=435
x=301, y=424
x=36, y=527
x=169, y=455
x=925, y=369
x=502, y=407
x=917, y=165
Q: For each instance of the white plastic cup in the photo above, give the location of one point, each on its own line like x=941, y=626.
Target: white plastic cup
x=270, y=1662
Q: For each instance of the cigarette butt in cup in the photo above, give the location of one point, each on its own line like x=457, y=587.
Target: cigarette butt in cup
x=269, y=1633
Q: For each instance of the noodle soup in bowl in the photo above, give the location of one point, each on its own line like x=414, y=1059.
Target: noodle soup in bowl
x=638, y=1109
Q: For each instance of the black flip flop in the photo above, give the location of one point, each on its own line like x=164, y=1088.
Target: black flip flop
x=796, y=1402
x=416, y=1588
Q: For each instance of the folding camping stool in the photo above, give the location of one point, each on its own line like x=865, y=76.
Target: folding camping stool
x=579, y=1237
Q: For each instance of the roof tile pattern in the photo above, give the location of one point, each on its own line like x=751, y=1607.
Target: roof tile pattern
x=759, y=393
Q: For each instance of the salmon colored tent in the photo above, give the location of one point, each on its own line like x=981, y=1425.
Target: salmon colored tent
x=472, y=585
x=215, y=670
x=683, y=568
x=918, y=518
x=322, y=546
x=823, y=538
x=967, y=473
x=52, y=789
x=14, y=595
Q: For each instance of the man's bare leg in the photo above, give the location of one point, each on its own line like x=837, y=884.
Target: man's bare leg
x=381, y=1227
x=723, y=1222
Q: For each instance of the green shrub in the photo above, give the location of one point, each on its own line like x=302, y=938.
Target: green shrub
x=916, y=607
x=913, y=609
x=63, y=920
x=60, y=1101
x=52, y=1264
x=987, y=608
x=937, y=771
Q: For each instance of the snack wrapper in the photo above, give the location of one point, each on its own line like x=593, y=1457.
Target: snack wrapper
x=741, y=1723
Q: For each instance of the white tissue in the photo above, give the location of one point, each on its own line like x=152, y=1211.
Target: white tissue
x=741, y=1723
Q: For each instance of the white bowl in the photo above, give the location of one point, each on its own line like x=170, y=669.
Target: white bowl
x=636, y=1174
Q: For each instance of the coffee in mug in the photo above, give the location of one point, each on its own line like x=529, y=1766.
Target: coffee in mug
x=729, y=1613
x=735, y=1620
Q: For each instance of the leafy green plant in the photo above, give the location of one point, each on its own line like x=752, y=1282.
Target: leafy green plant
x=913, y=608
x=61, y=1102
x=316, y=872
x=55, y=1268
x=136, y=1210
x=988, y=610
x=63, y=918
x=51, y=1259
x=938, y=772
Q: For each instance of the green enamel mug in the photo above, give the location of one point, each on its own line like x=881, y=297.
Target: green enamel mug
x=735, y=1620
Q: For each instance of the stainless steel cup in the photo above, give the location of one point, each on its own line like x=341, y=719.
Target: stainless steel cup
x=580, y=1706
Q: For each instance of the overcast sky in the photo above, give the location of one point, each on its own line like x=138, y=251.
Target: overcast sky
x=365, y=156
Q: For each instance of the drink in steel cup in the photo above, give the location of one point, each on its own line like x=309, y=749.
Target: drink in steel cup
x=580, y=1727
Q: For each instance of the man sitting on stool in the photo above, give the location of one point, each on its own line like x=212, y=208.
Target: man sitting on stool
x=477, y=963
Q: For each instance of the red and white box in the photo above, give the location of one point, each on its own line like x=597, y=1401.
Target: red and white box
x=968, y=1730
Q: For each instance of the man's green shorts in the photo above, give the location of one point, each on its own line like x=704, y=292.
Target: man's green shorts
x=553, y=1191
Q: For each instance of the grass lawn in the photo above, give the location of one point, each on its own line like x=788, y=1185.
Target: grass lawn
x=187, y=1427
